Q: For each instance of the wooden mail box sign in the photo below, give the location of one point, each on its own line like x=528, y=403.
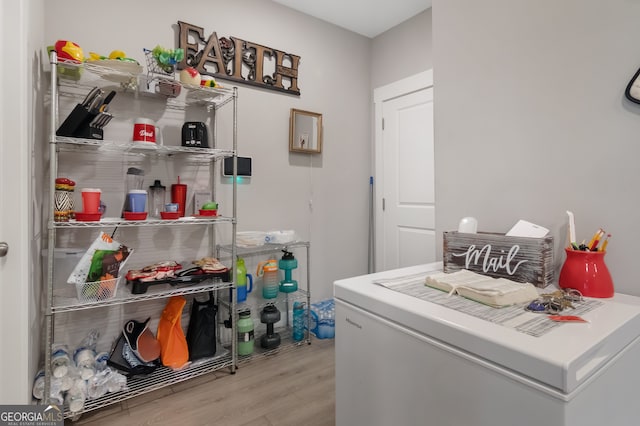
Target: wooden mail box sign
x=516, y=258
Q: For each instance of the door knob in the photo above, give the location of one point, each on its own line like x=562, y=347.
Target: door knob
x=4, y=249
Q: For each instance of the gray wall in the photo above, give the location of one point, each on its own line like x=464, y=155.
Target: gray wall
x=402, y=51
x=531, y=119
x=322, y=197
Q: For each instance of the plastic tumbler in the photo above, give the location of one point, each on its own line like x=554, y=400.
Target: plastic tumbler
x=179, y=195
x=90, y=200
x=137, y=199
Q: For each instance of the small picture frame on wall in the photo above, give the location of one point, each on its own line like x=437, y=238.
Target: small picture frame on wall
x=305, y=131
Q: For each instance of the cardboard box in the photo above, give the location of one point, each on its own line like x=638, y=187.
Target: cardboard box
x=496, y=255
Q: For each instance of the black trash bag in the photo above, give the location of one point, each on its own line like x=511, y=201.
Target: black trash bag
x=201, y=333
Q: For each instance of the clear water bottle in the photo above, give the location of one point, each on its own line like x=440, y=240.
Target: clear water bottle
x=99, y=384
x=85, y=362
x=298, y=321
x=55, y=391
x=38, y=385
x=76, y=396
x=268, y=270
x=60, y=360
x=85, y=355
x=157, y=194
x=101, y=361
x=117, y=382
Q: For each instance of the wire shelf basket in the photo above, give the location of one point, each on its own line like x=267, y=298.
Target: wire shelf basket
x=155, y=69
x=97, y=291
x=161, y=76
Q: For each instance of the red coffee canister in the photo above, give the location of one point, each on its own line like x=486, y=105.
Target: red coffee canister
x=144, y=130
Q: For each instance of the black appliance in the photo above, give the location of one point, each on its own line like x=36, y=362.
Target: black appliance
x=195, y=135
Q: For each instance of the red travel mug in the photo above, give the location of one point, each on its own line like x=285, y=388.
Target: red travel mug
x=179, y=196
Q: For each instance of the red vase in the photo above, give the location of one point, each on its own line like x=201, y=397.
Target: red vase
x=586, y=271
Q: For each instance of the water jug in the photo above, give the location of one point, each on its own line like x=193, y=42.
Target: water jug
x=268, y=270
x=241, y=284
x=287, y=264
x=245, y=333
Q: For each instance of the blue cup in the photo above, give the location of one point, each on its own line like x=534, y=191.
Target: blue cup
x=245, y=289
x=137, y=200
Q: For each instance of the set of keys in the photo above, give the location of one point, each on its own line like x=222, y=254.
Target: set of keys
x=556, y=302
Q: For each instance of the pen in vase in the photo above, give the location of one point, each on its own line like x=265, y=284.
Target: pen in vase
x=596, y=239
x=604, y=244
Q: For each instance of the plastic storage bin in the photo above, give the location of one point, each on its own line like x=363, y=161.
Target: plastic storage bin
x=323, y=319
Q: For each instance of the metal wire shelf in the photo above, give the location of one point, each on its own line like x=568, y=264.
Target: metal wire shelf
x=160, y=378
x=139, y=147
x=73, y=80
x=65, y=300
x=139, y=84
x=287, y=344
x=264, y=249
x=109, y=222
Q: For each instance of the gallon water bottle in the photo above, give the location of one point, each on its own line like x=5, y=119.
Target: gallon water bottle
x=268, y=270
x=245, y=333
x=298, y=321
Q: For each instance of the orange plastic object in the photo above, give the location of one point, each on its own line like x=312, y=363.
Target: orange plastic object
x=567, y=318
x=586, y=272
x=174, y=352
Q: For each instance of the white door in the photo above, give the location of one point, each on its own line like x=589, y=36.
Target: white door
x=14, y=206
x=405, y=199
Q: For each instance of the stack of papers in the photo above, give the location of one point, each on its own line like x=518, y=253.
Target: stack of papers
x=496, y=292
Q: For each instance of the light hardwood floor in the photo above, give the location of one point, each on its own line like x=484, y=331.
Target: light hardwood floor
x=296, y=387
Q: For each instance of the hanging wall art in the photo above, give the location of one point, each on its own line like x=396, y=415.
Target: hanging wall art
x=238, y=60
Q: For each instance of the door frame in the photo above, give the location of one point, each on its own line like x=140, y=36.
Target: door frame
x=15, y=214
x=414, y=83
